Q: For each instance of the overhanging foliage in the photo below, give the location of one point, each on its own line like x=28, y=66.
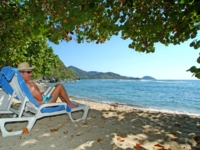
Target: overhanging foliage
x=145, y=22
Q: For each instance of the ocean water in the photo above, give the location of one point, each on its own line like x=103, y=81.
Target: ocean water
x=176, y=96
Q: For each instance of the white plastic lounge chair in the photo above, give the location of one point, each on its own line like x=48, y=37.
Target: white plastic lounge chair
x=10, y=77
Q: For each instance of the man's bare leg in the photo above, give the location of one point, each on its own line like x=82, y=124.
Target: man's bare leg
x=72, y=105
x=59, y=91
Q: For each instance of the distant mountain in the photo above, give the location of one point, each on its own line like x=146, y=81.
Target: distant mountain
x=100, y=75
x=147, y=78
x=93, y=72
x=80, y=73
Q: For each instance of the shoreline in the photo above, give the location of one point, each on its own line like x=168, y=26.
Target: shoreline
x=109, y=127
x=140, y=107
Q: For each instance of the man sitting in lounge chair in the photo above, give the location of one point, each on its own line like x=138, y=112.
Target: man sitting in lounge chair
x=59, y=91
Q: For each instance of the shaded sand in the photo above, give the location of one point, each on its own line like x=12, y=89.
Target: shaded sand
x=108, y=128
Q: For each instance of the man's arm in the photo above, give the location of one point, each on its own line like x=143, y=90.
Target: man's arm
x=35, y=91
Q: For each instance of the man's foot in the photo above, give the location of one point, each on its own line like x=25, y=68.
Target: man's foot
x=73, y=105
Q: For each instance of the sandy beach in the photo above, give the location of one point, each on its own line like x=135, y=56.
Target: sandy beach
x=109, y=127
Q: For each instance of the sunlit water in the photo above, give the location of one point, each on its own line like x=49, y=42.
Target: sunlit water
x=177, y=96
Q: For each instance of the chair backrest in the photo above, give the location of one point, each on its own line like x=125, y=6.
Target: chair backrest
x=4, y=100
x=18, y=84
x=17, y=89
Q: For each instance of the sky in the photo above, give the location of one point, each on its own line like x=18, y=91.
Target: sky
x=115, y=56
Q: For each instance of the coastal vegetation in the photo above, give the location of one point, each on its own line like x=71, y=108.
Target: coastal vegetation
x=62, y=73
x=35, y=52
x=27, y=25
x=38, y=53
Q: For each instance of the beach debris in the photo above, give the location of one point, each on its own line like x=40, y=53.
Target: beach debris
x=121, y=134
x=173, y=132
x=177, y=124
x=99, y=139
x=138, y=145
x=54, y=129
x=103, y=117
x=85, y=123
x=78, y=134
x=25, y=131
x=9, y=130
x=114, y=105
x=160, y=147
x=65, y=132
x=197, y=139
x=119, y=138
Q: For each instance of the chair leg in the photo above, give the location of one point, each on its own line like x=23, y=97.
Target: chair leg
x=86, y=109
x=31, y=121
x=85, y=112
